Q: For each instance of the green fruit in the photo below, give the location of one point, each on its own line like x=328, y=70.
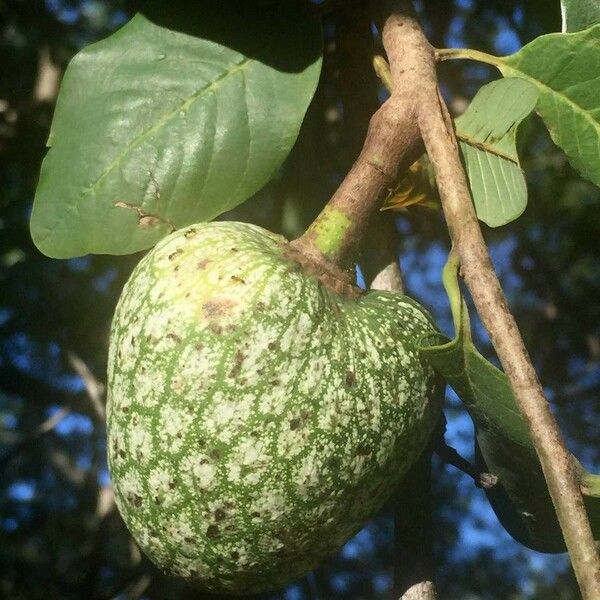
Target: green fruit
x=256, y=418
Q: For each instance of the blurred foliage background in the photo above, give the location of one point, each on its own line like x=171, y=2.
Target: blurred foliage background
x=60, y=535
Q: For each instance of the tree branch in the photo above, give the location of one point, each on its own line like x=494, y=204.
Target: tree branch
x=437, y=132
x=416, y=111
x=392, y=143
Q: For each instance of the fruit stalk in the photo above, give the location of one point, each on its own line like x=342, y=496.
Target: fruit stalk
x=392, y=143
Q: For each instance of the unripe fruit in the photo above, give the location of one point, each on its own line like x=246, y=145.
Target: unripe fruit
x=256, y=418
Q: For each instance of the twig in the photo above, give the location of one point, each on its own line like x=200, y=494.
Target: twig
x=440, y=142
x=93, y=387
x=23, y=441
x=451, y=457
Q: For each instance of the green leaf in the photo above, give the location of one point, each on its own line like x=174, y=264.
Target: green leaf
x=156, y=129
x=565, y=68
x=487, y=133
x=520, y=499
x=579, y=14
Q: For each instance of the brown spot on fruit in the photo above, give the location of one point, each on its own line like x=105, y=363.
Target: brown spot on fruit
x=295, y=423
x=215, y=454
x=136, y=500
x=212, y=531
x=201, y=264
x=190, y=232
x=350, y=378
x=215, y=309
x=175, y=254
x=220, y=514
x=237, y=279
x=363, y=450
x=238, y=360
x=174, y=337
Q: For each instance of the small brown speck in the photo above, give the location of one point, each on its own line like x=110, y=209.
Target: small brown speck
x=237, y=279
x=235, y=555
x=333, y=463
x=237, y=364
x=362, y=450
x=202, y=263
x=272, y=345
x=212, y=531
x=350, y=378
x=174, y=337
x=294, y=424
x=216, y=329
x=220, y=514
x=189, y=232
x=175, y=254
x=136, y=500
x=171, y=485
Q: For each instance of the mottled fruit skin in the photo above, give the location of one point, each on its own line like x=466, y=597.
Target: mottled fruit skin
x=256, y=419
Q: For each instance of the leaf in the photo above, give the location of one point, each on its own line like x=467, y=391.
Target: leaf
x=417, y=186
x=520, y=499
x=565, y=68
x=156, y=129
x=487, y=133
x=579, y=14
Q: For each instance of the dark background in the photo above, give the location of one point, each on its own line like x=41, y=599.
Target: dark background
x=60, y=535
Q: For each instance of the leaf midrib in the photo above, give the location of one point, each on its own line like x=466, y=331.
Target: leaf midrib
x=237, y=67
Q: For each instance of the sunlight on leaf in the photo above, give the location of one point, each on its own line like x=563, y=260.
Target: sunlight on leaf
x=156, y=129
x=565, y=69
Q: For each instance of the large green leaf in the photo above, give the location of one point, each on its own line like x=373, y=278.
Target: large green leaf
x=487, y=133
x=155, y=129
x=565, y=68
x=520, y=499
x=579, y=14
